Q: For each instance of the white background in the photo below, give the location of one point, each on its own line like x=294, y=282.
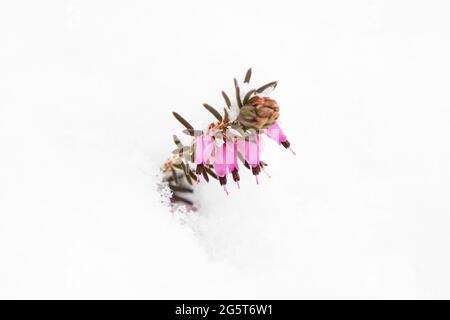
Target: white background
x=86, y=94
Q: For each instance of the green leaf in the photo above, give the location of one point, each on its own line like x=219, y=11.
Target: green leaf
x=180, y=189
x=227, y=100
x=174, y=175
x=247, y=96
x=177, y=198
x=184, y=167
x=177, y=151
x=267, y=86
x=241, y=157
x=192, y=174
x=177, y=141
x=239, y=131
x=205, y=175
x=211, y=173
x=248, y=75
x=194, y=133
x=183, y=121
x=188, y=173
x=226, y=117
x=214, y=112
x=238, y=93
x=178, y=166
x=188, y=179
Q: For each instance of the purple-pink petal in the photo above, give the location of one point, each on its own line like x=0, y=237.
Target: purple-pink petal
x=275, y=133
x=203, y=149
x=232, y=156
x=250, y=150
x=220, y=163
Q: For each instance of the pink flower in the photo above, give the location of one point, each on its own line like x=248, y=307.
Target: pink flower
x=204, y=146
x=220, y=164
x=251, y=151
x=233, y=136
x=275, y=133
x=232, y=161
x=220, y=161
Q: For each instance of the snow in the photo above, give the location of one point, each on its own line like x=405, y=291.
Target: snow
x=86, y=94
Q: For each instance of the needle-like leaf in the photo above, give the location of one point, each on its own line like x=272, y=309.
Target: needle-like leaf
x=184, y=167
x=192, y=174
x=214, y=112
x=227, y=100
x=180, y=189
x=248, y=95
x=188, y=173
x=174, y=175
x=238, y=93
x=177, y=151
x=177, y=166
x=188, y=179
x=267, y=86
x=176, y=198
x=205, y=175
x=241, y=157
x=177, y=141
x=183, y=121
x=248, y=76
x=226, y=117
x=211, y=173
x=194, y=133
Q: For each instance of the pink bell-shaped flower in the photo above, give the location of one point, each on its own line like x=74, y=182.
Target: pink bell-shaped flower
x=232, y=161
x=220, y=164
x=275, y=133
x=204, y=146
x=251, y=151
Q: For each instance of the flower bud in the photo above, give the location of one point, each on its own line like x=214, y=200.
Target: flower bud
x=259, y=113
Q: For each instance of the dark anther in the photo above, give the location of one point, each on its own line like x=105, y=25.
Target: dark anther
x=236, y=176
x=286, y=144
x=199, y=169
x=223, y=180
x=256, y=170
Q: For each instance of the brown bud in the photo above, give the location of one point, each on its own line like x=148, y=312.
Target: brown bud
x=259, y=113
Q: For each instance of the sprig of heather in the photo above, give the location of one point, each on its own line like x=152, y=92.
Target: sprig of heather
x=235, y=137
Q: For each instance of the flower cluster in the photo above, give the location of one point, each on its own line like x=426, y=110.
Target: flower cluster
x=235, y=137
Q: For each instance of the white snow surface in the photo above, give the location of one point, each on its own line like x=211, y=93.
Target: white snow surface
x=86, y=94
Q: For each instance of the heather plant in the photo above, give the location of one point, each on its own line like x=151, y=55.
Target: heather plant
x=233, y=139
